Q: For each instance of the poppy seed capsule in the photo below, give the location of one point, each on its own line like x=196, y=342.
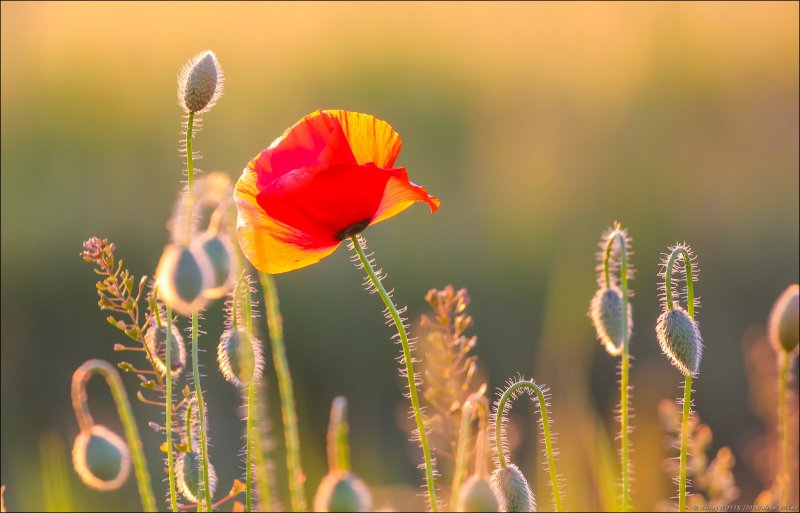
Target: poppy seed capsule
x=606, y=314
x=216, y=250
x=200, y=83
x=182, y=276
x=101, y=458
x=783, y=320
x=512, y=490
x=679, y=338
x=189, y=476
x=477, y=495
x=155, y=338
x=240, y=357
x=342, y=491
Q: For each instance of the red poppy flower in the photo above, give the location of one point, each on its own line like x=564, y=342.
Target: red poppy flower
x=326, y=178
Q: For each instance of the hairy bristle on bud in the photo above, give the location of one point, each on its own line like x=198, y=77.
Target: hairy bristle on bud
x=512, y=489
x=155, y=338
x=200, y=83
x=783, y=320
x=240, y=357
x=342, y=491
x=679, y=338
x=101, y=458
x=477, y=495
x=613, y=235
x=678, y=274
x=605, y=310
x=189, y=476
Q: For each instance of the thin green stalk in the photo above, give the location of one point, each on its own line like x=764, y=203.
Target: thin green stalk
x=548, y=443
x=624, y=361
x=173, y=497
x=110, y=374
x=687, y=400
x=200, y=411
x=783, y=418
x=687, y=387
x=412, y=386
x=251, y=397
x=288, y=413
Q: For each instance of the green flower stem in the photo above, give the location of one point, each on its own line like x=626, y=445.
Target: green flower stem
x=110, y=374
x=624, y=362
x=200, y=411
x=783, y=418
x=251, y=397
x=412, y=386
x=173, y=497
x=474, y=405
x=288, y=413
x=338, y=431
x=548, y=443
x=687, y=386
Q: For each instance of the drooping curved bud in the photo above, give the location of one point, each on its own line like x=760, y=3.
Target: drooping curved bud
x=783, y=320
x=200, y=83
x=155, y=338
x=189, y=476
x=101, y=458
x=182, y=278
x=679, y=338
x=606, y=313
x=477, y=495
x=240, y=356
x=342, y=491
x=512, y=489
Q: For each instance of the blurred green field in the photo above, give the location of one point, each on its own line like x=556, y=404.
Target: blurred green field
x=536, y=124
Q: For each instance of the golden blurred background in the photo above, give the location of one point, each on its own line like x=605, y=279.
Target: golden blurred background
x=536, y=124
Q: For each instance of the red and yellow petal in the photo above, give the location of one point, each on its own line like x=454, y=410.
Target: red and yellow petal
x=371, y=139
x=264, y=241
x=399, y=194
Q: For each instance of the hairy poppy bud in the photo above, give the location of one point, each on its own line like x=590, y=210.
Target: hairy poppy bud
x=783, y=321
x=155, y=338
x=342, y=491
x=200, y=83
x=606, y=314
x=679, y=338
x=240, y=357
x=189, y=476
x=217, y=251
x=182, y=277
x=477, y=495
x=101, y=458
x=512, y=489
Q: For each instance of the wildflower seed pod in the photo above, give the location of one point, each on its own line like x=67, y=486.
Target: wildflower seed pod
x=240, y=357
x=477, y=495
x=200, y=83
x=679, y=338
x=155, y=338
x=183, y=276
x=342, y=491
x=101, y=458
x=606, y=314
x=783, y=320
x=189, y=476
x=216, y=250
x=512, y=489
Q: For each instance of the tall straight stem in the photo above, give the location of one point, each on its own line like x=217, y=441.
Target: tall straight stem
x=412, y=386
x=288, y=413
x=251, y=396
x=783, y=419
x=687, y=403
x=200, y=411
x=173, y=497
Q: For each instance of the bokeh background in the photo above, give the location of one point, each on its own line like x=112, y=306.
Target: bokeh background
x=537, y=125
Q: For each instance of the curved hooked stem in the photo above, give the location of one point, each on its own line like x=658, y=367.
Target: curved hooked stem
x=499, y=425
x=338, y=431
x=476, y=405
x=79, y=402
x=356, y=242
x=619, y=236
x=681, y=252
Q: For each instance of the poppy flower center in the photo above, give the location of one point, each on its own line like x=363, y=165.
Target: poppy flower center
x=353, y=229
